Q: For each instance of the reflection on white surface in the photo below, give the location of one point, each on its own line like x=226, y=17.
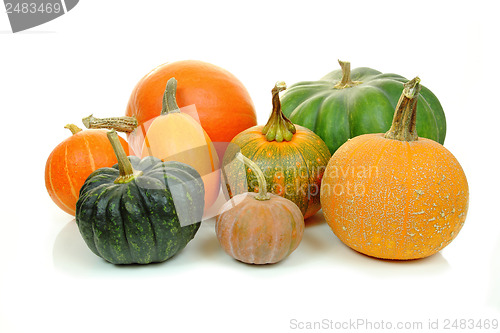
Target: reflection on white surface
x=319, y=248
x=70, y=252
x=71, y=255
x=494, y=297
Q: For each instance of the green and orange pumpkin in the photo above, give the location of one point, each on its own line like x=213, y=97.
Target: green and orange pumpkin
x=291, y=157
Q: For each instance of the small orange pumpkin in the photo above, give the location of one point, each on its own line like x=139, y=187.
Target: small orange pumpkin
x=73, y=160
x=395, y=195
x=259, y=228
x=176, y=136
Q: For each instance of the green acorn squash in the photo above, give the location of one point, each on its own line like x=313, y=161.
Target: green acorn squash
x=139, y=211
x=345, y=104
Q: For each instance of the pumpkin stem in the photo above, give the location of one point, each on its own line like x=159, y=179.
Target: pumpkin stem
x=120, y=124
x=127, y=173
x=278, y=127
x=169, y=101
x=346, y=81
x=404, y=123
x=262, y=195
x=73, y=128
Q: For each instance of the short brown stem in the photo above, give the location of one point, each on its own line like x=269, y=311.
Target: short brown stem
x=73, y=128
x=261, y=180
x=346, y=81
x=278, y=127
x=120, y=124
x=404, y=123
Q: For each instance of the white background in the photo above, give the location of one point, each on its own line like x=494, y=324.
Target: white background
x=89, y=60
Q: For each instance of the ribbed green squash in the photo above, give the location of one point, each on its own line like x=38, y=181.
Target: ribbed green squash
x=292, y=158
x=140, y=211
x=345, y=104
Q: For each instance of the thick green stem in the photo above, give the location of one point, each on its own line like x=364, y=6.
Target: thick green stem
x=404, y=123
x=278, y=127
x=73, y=128
x=127, y=173
x=346, y=81
x=169, y=101
x=120, y=124
x=262, y=195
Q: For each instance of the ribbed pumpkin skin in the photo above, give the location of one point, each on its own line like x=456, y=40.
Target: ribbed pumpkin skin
x=137, y=222
x=292, y=169
x=337, y=115
x=259, y=232
x=72, y=161
x=393, y=199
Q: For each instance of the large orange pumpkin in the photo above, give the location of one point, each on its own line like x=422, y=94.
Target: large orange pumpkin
x=73, y=160
x=223, y=105
x=395, y=196
x=176, y=136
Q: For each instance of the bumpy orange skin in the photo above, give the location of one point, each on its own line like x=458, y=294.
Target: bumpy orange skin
x=259, y=232
x=72, y=161
x=392, y=199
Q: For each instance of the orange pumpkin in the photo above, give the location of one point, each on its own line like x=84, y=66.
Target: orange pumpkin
x=395, y=195
x=223, y=104
x=73, y=160
x=259, y=228
x=176, y=136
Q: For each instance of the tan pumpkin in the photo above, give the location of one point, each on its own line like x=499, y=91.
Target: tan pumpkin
x=176, y=136
x=259, y=228
x=395, y=195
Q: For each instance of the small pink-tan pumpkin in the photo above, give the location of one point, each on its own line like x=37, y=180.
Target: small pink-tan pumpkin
x=259, y=228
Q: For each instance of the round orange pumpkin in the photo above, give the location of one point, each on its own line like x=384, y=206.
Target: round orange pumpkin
x=223, y=105
x=73, y=160
x=176, y=136
x=395, y=195
x=259, y=228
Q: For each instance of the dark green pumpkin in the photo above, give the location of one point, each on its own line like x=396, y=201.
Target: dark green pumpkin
x=345, y=104
x=140, y=211
x=292, y=158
